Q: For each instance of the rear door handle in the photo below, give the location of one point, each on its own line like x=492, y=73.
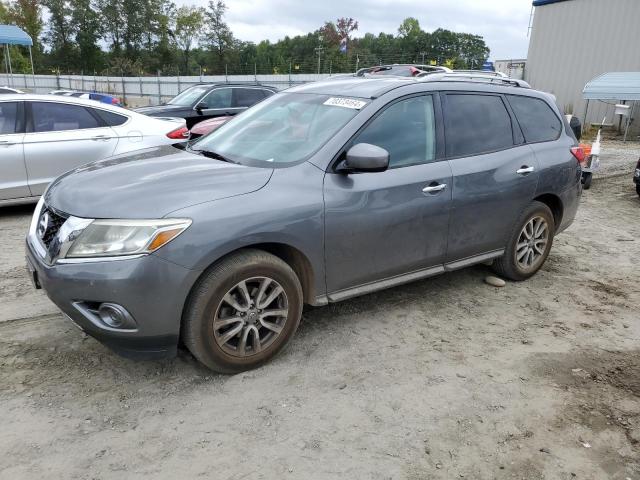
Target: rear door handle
x=433, y=188
x=6, y=143
x=525, y=170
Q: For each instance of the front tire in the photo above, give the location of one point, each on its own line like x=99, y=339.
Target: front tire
x=242, y=312
x=529, y=244
x=638, y=189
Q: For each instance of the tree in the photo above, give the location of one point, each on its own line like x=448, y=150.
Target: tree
x=345, y=26
x=218, y=34
x=27, y=14
x=189, y=24
x=4, y=13
x=89, y=31
x=113, y=23
x=409, y=28
x=61, y=32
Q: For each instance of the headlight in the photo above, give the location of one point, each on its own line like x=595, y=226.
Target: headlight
x=107, y=238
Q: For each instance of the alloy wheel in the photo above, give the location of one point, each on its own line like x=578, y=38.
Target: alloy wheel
x=250, y=316
x=532, y=243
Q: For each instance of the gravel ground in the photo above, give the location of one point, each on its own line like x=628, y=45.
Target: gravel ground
x=444, y=378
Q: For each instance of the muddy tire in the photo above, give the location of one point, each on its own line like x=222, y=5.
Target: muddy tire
x=242, y=311
x=528, y=245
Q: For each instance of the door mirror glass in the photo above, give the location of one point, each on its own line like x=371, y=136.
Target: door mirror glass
x=202, y=106
x=365, y=157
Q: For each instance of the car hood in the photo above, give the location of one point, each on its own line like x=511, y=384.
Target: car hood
x=150, y=183
x=160, y=109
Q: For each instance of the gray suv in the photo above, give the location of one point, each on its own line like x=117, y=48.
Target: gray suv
x=317, y=194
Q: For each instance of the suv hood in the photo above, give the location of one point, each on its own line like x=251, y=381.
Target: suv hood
x=150, y=183
x=160, y=109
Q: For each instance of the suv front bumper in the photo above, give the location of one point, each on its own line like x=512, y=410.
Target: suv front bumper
x=150, y=289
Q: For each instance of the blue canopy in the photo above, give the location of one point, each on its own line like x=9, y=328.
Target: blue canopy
x=613, y=86
x=12, y=35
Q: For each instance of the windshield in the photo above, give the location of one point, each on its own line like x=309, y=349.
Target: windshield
x=188, y=97
x=285, y=128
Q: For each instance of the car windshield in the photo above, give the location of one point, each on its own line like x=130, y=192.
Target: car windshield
x=285, y=128
x=188, y=97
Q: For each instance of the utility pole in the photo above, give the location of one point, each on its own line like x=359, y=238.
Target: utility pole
x=319, y=49
x=423, y=54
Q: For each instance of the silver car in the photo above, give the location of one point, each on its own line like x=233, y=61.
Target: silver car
x=317, y=194
x=43, y=136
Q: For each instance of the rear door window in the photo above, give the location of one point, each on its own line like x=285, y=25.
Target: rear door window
x=476, y=124
x=406, y=130
x=536, y=118
x=8, y=117
x=110, y=118
x=58, y=117
x=245, y=97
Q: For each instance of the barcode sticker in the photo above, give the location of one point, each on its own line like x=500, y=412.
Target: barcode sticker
x=345, y=102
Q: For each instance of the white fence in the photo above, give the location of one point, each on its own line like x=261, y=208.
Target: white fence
x=153, y=90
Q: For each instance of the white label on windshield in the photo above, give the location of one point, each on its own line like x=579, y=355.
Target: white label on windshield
x=345, y=102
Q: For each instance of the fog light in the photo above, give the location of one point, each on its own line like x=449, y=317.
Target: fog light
x=115, y=316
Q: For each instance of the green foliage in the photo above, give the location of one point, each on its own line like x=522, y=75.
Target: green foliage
x=134, y=37
x=189, y=25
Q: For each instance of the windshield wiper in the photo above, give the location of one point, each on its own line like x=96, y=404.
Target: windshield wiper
x=210, y=154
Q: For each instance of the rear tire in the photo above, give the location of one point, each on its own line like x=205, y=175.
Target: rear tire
x=586, y=180
x=638, y=189
x=529, y=243
x=242, y=312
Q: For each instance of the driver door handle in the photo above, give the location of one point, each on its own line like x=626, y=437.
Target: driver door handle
x=6, y=143
x=524, y=170
x=434, y=188
x=99, y=138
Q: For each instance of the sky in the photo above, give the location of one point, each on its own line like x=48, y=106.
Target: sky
x=502, y=23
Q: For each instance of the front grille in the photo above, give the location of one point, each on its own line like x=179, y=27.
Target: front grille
x=53, y=221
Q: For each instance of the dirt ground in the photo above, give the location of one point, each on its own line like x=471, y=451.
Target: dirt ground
x=441, y=379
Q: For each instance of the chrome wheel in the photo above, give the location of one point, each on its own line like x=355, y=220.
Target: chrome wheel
x=532, y=243
x=250, y=316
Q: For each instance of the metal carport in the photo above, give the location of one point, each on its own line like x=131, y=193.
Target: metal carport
x=616, y=86
x=12, y=35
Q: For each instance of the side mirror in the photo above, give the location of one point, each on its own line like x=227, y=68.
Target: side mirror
x=576, y=126
x=201, y=106
x=365, y=157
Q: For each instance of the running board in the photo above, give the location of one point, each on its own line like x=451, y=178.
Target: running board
x=407, y=277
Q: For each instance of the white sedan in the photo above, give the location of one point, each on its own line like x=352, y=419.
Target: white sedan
x=43, y=136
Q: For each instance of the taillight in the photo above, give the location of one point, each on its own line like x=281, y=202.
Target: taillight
x=179, y=133
x=578, y=152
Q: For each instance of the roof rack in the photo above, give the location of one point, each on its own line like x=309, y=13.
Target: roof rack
x=473, y=77
x=483, y=72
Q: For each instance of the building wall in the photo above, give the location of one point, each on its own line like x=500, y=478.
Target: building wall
x=574, y=41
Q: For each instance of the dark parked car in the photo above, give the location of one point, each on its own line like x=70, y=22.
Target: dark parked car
x=206, y=101
x=320, y=193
